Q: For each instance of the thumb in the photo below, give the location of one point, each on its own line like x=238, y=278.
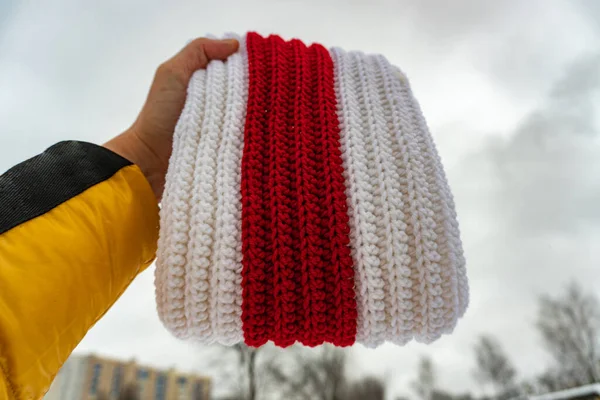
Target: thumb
x=218, y=49
x=199, y=52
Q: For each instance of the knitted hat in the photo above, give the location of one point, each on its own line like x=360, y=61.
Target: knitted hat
x=305, y=201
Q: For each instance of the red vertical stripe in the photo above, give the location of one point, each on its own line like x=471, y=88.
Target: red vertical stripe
x=257, y=287
x=309, y=160
x=281, y=189
x=297, y=271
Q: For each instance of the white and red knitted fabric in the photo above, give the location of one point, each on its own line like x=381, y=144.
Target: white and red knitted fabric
x=305, y=202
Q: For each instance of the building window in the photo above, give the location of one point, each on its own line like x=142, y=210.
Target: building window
x=198, y=391
x=117, y=379
x=160, y=392
x=142, y=378
x=182, y=386
x=96, y=371
x=142, y=374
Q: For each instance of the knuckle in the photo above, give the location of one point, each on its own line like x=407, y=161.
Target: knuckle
x=170, y=70
x=166, y=68
x=199, y=41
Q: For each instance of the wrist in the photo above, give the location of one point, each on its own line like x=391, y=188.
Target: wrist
x=129, y=145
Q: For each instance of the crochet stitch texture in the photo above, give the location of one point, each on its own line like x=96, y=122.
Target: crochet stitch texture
x=305, y=201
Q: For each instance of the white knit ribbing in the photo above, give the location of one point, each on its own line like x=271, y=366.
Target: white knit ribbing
x=380, y=163
x=170, y=275
x=360, y=182
x=456, y=288
x=204, y=203
x=406, y=248
x=426, y=272
x=394, y=159
x=198, y=275
x=226, y=282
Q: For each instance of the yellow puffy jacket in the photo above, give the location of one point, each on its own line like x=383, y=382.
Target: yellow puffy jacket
x=77, y=224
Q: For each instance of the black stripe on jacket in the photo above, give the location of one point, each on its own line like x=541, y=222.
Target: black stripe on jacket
x=63, y=171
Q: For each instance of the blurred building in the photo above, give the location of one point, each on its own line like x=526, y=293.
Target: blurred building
x=97, y=378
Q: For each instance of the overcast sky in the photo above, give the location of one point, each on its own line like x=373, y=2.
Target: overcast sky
x=511, y=91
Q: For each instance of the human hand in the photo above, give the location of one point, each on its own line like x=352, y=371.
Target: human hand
x=148, y=142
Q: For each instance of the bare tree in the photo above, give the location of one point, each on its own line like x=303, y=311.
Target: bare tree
x=551, y=381
x=441, y=395
x=570, y=328
x=425, y=383
x=365, y=389
x=300, y=373
x=493, y=366
x=332, y=362
x=237, y=363
x=247, y=359
x=293, y=373
x=308, y=374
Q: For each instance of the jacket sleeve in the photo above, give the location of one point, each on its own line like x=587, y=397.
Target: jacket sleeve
x=77, y=224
